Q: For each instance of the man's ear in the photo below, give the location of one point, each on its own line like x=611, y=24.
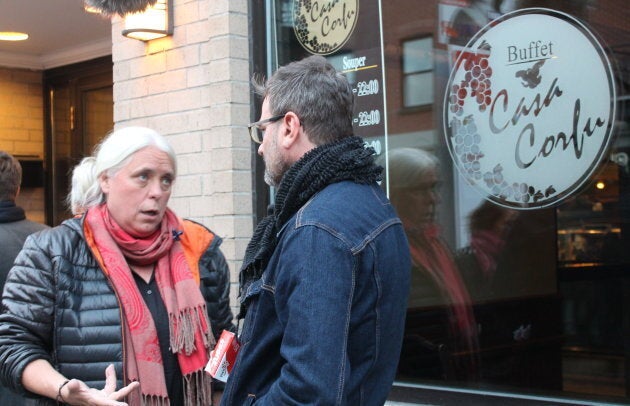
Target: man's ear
x=292, y=130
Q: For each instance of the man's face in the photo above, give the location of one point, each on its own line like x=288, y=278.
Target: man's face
x=276, y=163
x=137, y=195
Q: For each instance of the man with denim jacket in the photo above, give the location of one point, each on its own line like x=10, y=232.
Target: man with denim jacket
x=325, y=279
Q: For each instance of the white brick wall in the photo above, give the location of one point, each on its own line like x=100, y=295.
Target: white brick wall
x=193, y=87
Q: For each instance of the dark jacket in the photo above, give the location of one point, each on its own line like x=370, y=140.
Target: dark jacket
x=59, y=306
x=325, y=322
x=14, y=228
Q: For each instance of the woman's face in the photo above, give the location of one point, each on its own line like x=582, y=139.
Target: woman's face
x=416, y=205
x=137, y=195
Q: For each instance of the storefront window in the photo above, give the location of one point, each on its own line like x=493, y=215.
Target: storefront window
x=511, y=293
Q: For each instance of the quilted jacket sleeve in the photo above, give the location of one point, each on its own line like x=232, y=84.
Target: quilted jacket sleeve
x=26, y=322
x=215, y=286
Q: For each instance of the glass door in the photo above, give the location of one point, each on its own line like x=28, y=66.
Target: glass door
x=80, y=113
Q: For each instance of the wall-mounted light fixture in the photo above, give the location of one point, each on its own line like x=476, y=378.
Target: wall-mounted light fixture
x=13, y=36
x=154, y=22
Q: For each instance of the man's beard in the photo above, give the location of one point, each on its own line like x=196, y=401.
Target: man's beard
x=275, y=171
x=269, y=179
x=275, y=165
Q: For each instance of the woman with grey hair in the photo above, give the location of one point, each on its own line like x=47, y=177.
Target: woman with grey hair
x=127, y=295
x=413, y=180
x=436, y=283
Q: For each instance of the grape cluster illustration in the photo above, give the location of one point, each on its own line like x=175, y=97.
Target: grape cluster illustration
x=521, y=192
x=466, y=146
x=499, y=187
x=300, y=28
x=465, y=141
x=304, y=3
x=476, y=82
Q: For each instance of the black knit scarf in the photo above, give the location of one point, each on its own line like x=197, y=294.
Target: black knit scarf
x=346, y=159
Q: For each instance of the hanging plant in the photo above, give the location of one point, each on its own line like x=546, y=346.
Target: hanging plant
x=120, y=7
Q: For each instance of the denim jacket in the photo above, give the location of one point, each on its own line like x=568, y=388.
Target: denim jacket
x=325, y=321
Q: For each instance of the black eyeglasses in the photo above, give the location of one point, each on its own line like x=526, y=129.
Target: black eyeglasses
x=256, y=132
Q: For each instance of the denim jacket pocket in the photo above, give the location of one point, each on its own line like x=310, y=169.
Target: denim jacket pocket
x=249, y=299
x=253, y=290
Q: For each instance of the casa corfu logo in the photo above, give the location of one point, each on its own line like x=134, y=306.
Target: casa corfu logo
x=322, y=27
x=529, y=108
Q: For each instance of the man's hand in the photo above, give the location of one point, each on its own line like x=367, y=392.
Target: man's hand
x=76, y=392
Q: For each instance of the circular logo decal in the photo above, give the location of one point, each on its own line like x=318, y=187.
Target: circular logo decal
x=529, y=108
x=322, y=27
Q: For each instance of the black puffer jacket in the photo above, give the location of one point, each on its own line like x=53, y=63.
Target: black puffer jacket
x=59, y=306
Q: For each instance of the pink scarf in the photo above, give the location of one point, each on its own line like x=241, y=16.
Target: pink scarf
x=429, y=252
x=190, y=332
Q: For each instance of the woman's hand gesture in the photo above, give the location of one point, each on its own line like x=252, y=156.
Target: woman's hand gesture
x=76, y=392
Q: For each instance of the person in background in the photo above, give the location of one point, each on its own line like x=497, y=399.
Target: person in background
x=14, y=228
x=437, y=288
x=120, y=304
x=325, y=277
x=83, y=177
x=489, y=225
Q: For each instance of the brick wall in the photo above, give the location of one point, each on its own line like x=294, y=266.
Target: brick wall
x=21, y=112
x=193, y=87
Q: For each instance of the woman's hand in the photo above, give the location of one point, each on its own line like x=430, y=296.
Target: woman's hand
x=76, y=392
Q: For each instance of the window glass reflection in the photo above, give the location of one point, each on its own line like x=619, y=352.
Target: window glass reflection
x=517, y=301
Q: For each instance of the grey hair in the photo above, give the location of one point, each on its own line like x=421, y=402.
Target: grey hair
x=408, y=166
x=84, y=185
x=320, y=96
x=113, y=153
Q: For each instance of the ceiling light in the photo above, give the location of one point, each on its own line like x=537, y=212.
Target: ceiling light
x=154, y=22
x=12, y=36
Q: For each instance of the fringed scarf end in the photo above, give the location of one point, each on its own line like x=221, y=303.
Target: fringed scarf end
x=154, y=400
x=183, y=326
x=197, y=389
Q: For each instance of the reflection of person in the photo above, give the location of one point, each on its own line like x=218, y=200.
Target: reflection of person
x=489, y=226
x=123, y=291
x=325, y=277
x=435, y=279
x=82, y=188
x=14, y=228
